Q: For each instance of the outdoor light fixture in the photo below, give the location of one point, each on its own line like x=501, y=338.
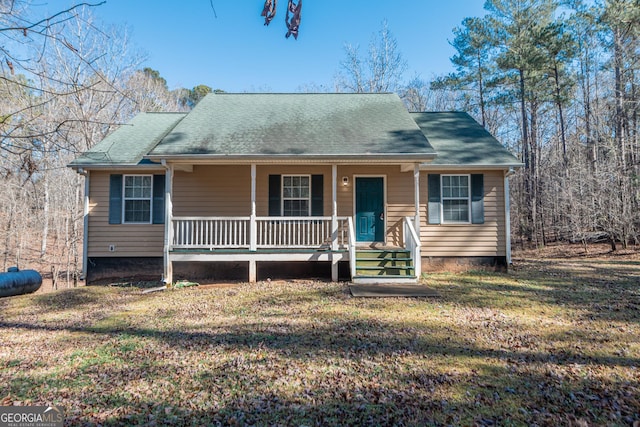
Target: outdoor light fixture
x=345, y=180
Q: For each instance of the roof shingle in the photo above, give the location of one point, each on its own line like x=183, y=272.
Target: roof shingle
x=461, y=141
x=299, y=124
x=131, y=142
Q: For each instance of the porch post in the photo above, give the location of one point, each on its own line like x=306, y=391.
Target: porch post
x=334, y=222
x=168, y=226
x=507, y=219
x=85, y=225
x=416, y=186
x=253, y=229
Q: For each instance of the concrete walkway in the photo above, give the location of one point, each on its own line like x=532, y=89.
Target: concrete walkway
x=391, y=290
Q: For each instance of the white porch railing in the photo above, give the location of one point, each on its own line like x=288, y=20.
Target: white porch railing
x=352, y=246
x=299, y=232
x=412, y=243
x=270, y=232
x=210, y=232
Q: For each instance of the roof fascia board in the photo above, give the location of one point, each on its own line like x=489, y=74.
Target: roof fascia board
x=157, y=167
x=428, y=166
x=364, y=158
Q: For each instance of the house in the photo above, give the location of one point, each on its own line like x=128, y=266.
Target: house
x=350, y=183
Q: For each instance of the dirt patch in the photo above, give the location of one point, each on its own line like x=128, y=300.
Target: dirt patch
x=566, y=250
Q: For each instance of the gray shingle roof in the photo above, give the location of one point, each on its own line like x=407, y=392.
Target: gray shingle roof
x=461, y=141
x=261, y=125
x=315, y=125
x=129, y=143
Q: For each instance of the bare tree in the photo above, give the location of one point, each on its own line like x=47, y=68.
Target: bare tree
x=381, y=70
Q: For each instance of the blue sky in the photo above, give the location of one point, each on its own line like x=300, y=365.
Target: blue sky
x=237, y=53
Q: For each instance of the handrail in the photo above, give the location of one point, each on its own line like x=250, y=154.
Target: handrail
x=213, y=232
x=352, y=247
x=210, y=218
x=412, y=243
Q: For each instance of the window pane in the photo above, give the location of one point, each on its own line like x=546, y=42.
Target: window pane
x=137, y=211
x=296, y=208
x=464, y=186
x=128, y=186
x=146, y=187
x=455, y=210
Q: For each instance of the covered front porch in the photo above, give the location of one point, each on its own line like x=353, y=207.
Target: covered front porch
x=193, y=236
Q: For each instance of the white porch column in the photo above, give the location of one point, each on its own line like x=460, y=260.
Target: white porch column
x=253, y=229
x=85, y=218
x=168, y=226
x=334, y=221
x=252, y=271
x=416, y=188
x=507, y=219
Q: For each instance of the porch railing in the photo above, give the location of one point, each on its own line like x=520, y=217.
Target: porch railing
x=210, y=232
x=299, y=232
x=412, y=243
x=270, y=232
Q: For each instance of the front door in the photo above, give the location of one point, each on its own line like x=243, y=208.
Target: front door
x=369, y=209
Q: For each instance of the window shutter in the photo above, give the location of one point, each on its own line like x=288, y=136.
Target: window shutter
x=274, y=195
x=158, y=199
x=115, y=199
x=477, y=199
x=317, y=190
x=434, y=198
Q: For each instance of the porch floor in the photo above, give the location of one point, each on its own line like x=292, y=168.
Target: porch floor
x=257, y=251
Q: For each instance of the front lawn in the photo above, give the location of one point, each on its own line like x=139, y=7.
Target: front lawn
x=554, y=342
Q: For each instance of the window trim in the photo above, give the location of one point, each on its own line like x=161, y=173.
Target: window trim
x=443, y=198
x=309, y=199
x=125, y=199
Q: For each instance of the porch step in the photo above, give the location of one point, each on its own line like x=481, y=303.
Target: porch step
x=377, y=280
x=384, y=270
x=392, y=265
x=383, y=253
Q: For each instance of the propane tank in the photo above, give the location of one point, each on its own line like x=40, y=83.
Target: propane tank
x=18, y=282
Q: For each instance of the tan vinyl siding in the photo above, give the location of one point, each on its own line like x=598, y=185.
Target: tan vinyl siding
x=212, y=191
x=467, y=240
x=130, y=240
x=226, y=191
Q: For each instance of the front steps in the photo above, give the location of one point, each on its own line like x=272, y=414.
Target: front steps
x=384, y=266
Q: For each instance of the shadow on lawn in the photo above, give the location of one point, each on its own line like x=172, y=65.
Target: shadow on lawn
x=346, y=338
x=599, y=290
x=229, y=395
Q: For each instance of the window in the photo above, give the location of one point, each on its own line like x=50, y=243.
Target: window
x=137, y=198
x=455, y=198
x=296, y=195
x=299, y=195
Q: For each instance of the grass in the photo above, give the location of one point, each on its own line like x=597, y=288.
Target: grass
x=551, y=343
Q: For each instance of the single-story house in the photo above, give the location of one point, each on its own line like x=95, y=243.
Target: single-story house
x=351, y=183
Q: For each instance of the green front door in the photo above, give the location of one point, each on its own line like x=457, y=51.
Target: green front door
x=370, y=209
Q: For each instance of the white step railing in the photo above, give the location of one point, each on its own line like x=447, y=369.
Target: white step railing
x=270, y=232
x=412, y=243
x=352, y=247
